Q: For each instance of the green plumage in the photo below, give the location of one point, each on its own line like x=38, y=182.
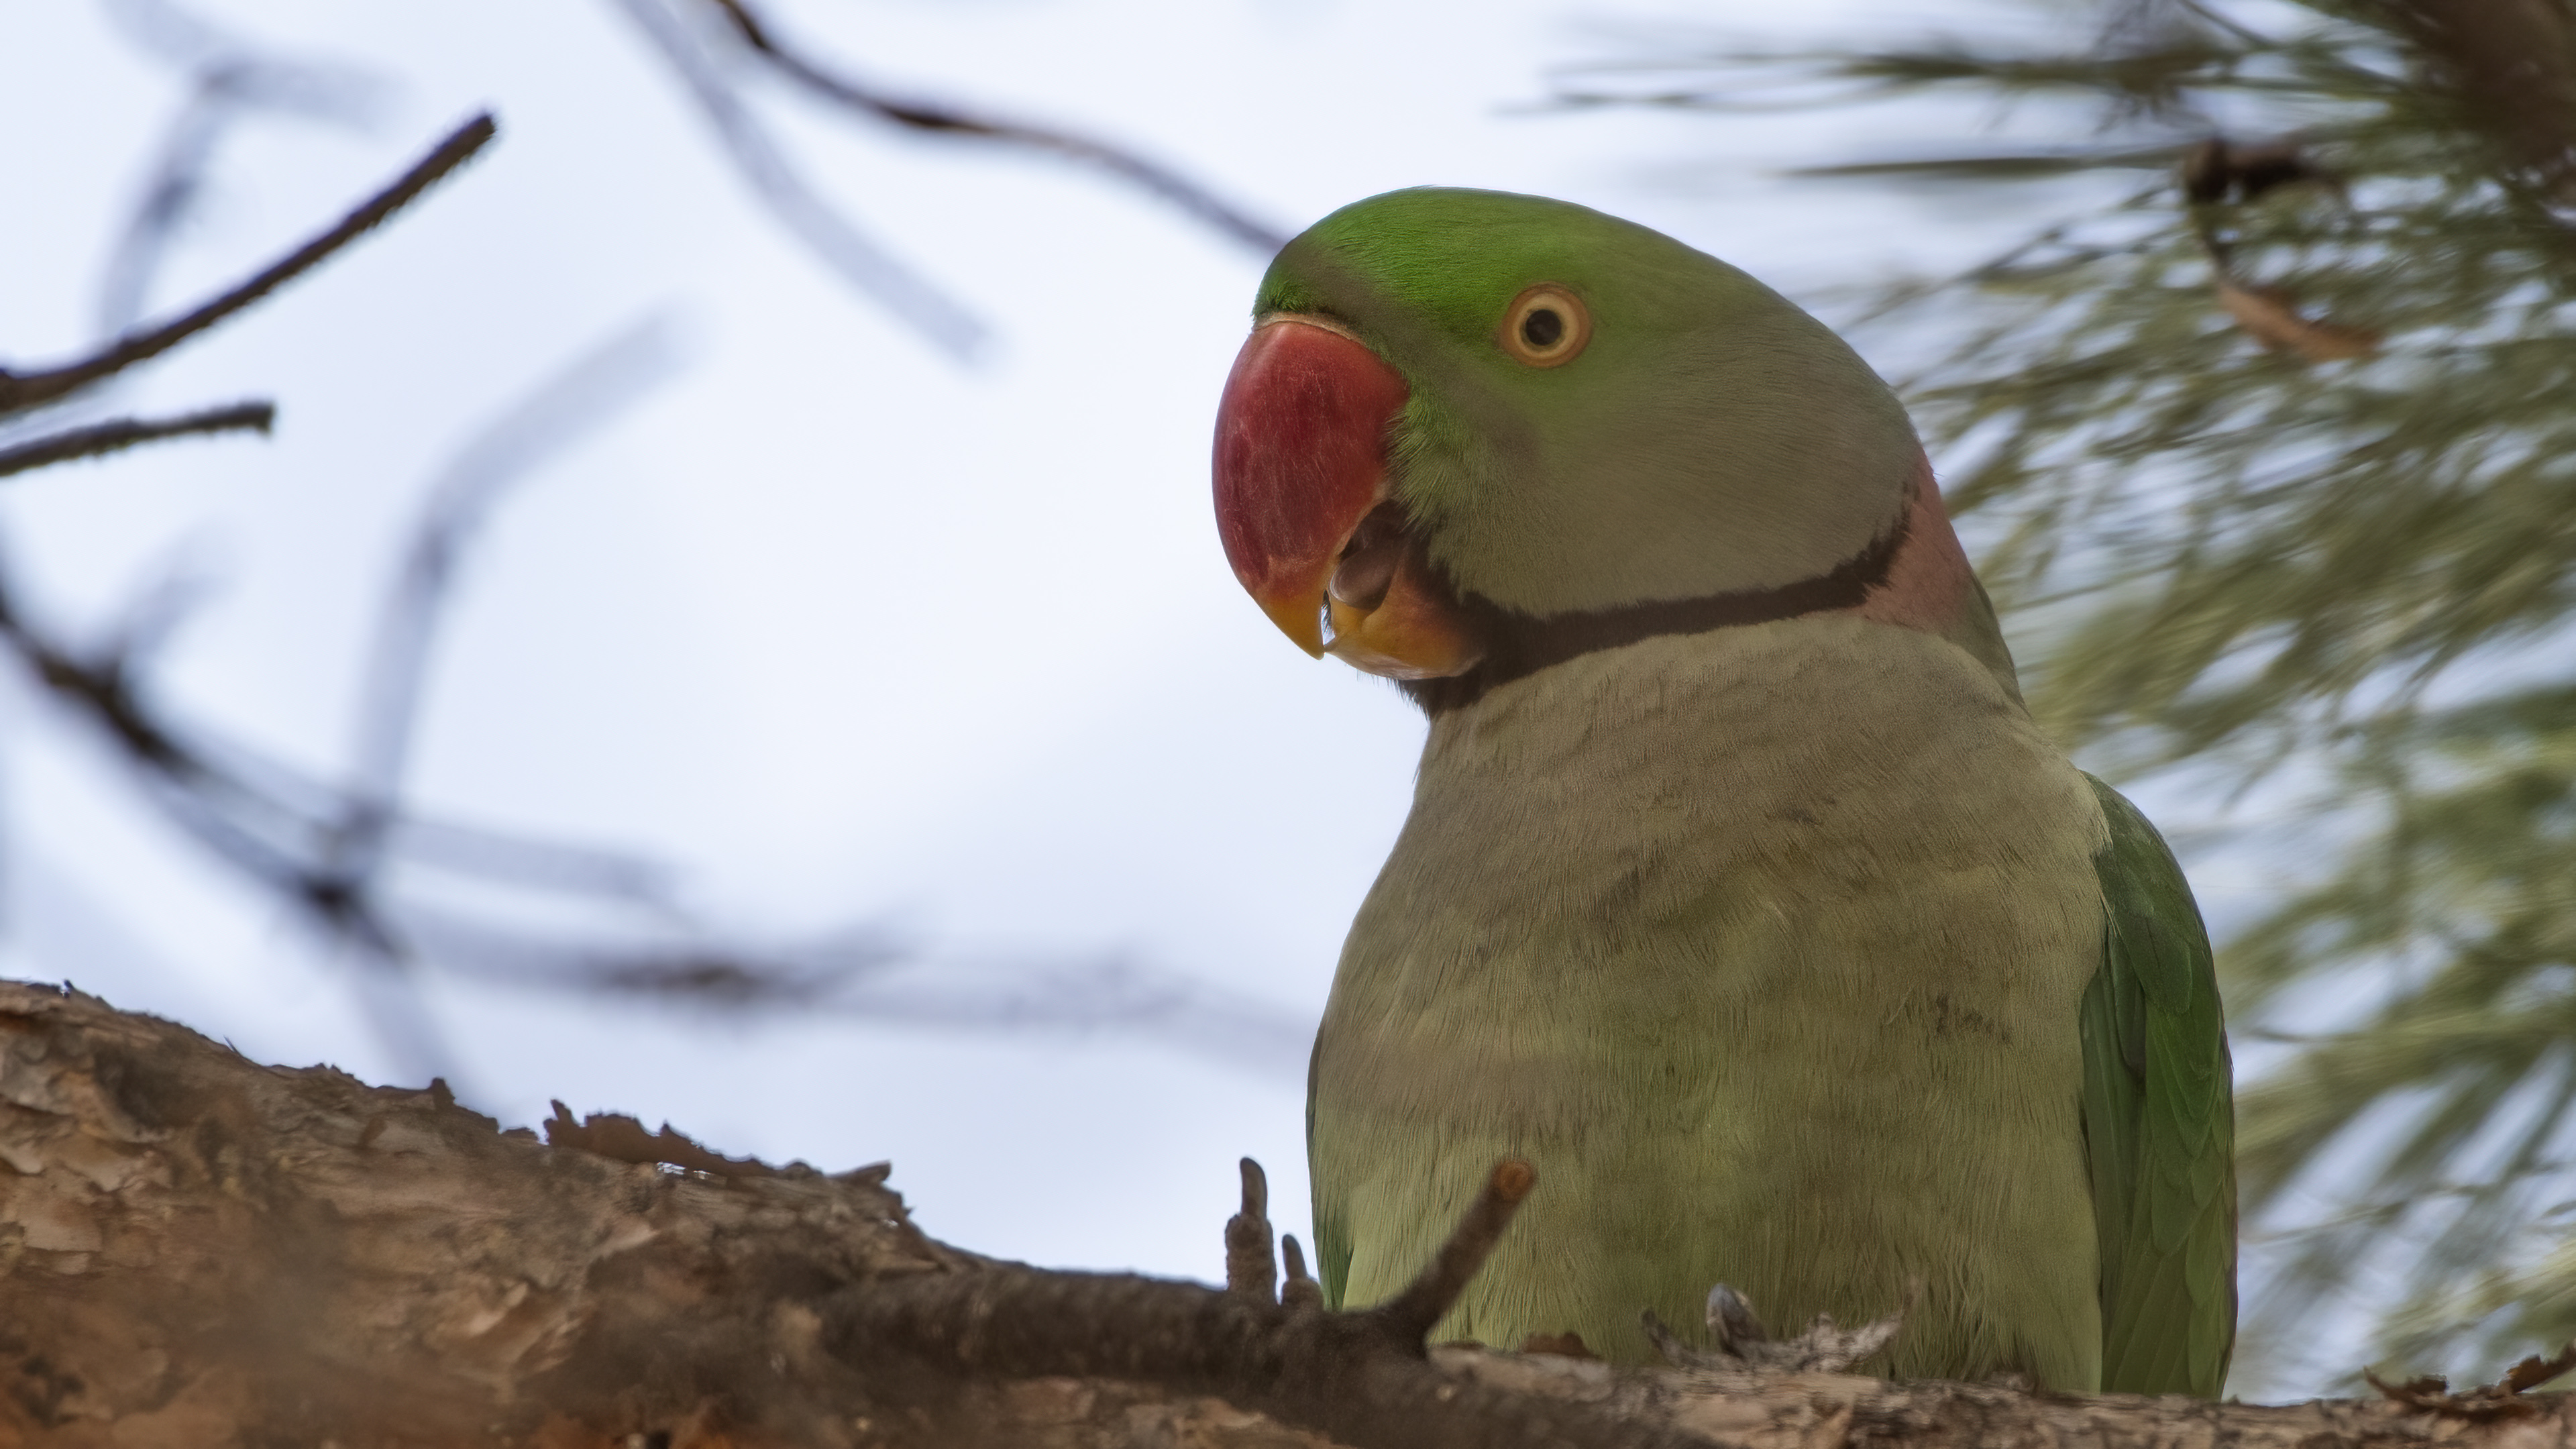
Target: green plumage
x=2157, y=1124
x=1790, y=952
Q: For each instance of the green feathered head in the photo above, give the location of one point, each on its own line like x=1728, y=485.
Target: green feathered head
x=1468, y=422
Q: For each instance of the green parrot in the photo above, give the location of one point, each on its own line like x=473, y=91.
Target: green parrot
x=1740, y=894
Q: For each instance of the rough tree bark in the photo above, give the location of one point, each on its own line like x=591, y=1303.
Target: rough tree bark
x=198, y=1250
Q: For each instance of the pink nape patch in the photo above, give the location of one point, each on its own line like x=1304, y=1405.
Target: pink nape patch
x=1928, y=582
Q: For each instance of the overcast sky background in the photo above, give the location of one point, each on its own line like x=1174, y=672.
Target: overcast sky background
x=842, y=629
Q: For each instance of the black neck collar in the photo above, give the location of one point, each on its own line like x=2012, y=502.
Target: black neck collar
x=1518, y=645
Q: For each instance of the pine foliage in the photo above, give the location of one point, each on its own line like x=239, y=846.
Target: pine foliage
x=2275, y=458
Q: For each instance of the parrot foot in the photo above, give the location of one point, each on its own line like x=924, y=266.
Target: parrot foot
x=1743, y=1342
x=1250, y=1272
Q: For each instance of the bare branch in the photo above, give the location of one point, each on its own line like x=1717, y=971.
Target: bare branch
x=207, y=1241
x=185, y=40
x=229, y=78
x=20, y=391
x=1109, y=994
x=123, y=433
x=1161, y=181
x=275, y=826
x=862, y=972
x=829, y=235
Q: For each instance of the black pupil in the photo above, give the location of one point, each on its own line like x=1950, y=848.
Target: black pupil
x=1542, y=327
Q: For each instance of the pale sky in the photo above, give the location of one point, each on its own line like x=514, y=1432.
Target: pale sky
x=841, y=629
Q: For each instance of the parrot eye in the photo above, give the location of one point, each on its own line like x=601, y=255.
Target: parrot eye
x=1546, y=326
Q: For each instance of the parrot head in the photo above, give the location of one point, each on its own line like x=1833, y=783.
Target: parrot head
x=1472, y=431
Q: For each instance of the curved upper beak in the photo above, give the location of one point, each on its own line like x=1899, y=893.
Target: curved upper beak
x=1300, y=460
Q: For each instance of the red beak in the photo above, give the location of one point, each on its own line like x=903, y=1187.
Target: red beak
x=1300, y=460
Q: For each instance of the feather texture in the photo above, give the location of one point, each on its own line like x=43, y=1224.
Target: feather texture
x=2158, y=1123
x=1766, y=946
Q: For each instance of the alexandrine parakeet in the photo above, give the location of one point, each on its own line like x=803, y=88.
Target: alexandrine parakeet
x=1740, y=895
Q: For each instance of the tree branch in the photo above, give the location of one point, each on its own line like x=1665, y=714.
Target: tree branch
x=123, y=433
x=199, y=1249
x=828, y=234
x=228, y=79
x=1161, y=181
x=21, y=391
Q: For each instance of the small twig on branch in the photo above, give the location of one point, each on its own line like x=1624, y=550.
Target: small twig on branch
x=1435, y=1290
x=1161, y=181
x=123, y=433
x=20, y=391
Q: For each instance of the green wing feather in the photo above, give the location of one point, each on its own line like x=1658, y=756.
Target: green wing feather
x=2159, y=1125
x=1332, y=1235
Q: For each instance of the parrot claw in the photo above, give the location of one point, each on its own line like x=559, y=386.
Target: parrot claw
x=1743, y=1342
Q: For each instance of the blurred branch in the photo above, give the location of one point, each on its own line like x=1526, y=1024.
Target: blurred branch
x=1998, y=166
x=326, y=851
x=1161, y=181
x=21, y=391
x=1726, y=78
x=123, y=433
x=354, y=864
x=280, y=829
x=228, y=78
x=221, y=811
x=867, y=972
x=825, y=232
x=2511, y=64
x=584, y=396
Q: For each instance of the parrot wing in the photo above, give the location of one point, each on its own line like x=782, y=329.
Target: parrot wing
x=1332, y=1235
x=2159, y=1124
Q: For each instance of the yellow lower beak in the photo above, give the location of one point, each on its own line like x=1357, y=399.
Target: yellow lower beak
x=1417, y=631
